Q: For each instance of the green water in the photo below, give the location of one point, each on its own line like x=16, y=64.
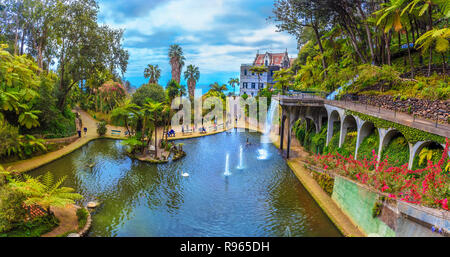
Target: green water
x=141, y=199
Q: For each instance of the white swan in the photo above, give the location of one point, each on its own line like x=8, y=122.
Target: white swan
x=184, y=174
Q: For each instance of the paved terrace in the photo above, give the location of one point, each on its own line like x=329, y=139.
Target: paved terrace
x=304, y=99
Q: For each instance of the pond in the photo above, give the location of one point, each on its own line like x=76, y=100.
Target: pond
x=261, y=198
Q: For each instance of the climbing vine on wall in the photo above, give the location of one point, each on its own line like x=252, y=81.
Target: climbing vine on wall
x=412, y=135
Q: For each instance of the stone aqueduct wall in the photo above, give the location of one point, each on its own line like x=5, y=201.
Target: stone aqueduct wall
x=429, y=109
x=364, y=128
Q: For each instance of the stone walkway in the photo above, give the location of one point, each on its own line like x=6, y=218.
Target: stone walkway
x=397, y=117
x=68, y=221
x=35, y=162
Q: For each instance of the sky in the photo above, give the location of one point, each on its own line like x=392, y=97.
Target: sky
x=216, y=35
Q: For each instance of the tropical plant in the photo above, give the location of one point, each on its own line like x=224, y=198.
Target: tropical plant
x=101, y=128
x=176, y=61
x=425, y=155
x=218, y=88
x=153, y=72
x=192, y=74
x=233, y=82
x=259, y=70
x=44, y=191
x=283, y=78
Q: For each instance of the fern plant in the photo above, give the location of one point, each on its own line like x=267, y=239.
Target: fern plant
x=44, y=191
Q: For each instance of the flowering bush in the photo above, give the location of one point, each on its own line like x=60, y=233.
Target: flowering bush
x=429, y=186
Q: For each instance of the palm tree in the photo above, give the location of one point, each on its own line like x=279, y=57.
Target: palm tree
x=259, y=70
x=426, y=6
x=218, y=88
x=233, y=82
x=153, y=72
x=152, y=111
x=392, y=14
x=173, y=89
x=43, y=191
x=283, y=77
x=124, y=113
x=438, y=37
x=176, y=61
x=192, y=74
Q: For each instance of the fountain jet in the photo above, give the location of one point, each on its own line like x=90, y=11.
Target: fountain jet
x=227, y=166
x=265, y=138
x=241, y=161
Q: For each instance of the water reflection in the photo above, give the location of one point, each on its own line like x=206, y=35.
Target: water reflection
x=142, y=199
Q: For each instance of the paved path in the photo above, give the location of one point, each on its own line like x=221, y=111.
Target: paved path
x=35, y=162
x=397, y=117
x=68, y=220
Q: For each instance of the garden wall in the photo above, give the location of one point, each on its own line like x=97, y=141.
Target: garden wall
x=396, y=219
x=358, y=203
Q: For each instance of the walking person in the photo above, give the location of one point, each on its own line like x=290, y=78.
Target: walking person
x=78, y=126
x=85, y=131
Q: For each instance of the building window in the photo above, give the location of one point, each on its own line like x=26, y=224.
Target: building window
x=267, y=63
x=245, y=72
x=271, y=73
x=244, y=85
x=261, y=85
x=253, y=85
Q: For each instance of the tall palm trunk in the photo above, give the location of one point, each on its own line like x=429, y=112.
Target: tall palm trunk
x=409, y=55
x=430, y=20
x=156, y=141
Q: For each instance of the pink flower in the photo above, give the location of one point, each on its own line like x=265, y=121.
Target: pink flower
x=384, y=188
x=444, y=203
x=325, y=167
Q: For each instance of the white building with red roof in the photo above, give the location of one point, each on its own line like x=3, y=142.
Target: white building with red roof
x=249, y=83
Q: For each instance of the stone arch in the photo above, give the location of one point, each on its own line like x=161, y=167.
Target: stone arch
x=365, y=129
x=348, y=123
x=386, y=136
x=334, y=117
x=418, y=146
x=311, y=124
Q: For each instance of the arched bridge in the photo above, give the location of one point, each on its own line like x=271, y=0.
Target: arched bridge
x=318, y=112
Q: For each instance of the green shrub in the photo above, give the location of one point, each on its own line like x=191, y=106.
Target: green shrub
x=325, y=182
x=397, y=151
x=349, y=145
x=367, y=145
x=33, y=228
x=82, y=215
x=101, y=128
x=11, y=210
x=334, y=143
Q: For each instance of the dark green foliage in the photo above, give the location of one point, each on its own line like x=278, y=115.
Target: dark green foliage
x=152, y=91
x=33, y=228
x=325, y=182
x=349, y=145
x=11, y=210
x=367, y=145
x=101, y=128
x=319, y=140
x=397, y=151
x=377, y=207
x=82, y=215
x=334, y=143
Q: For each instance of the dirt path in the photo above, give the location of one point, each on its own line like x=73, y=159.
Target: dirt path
x=68, y=220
